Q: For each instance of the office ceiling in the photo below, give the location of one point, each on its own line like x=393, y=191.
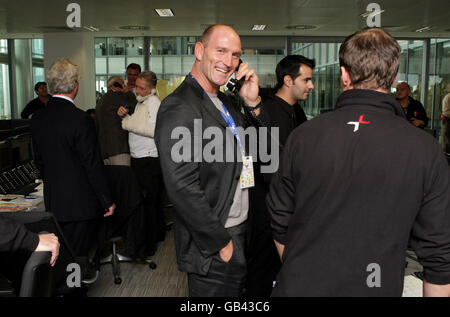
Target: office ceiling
x=20, y=18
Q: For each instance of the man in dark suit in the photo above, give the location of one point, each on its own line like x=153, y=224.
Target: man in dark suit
x=66, y=152
x=211, y=206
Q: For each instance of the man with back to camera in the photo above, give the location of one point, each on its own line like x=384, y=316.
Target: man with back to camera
x=414, y=110
x=144, y=154
x=344, y=203
x=282, y=110
x=67, y=155
x=211, y=208
x=39, y=102
x=113, y=140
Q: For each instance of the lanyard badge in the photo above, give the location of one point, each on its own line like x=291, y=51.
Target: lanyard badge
x=247, y=178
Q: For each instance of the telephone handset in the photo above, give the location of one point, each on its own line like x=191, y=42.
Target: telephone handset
x=235, y=85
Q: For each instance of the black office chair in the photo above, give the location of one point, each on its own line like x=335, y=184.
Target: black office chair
x=37, y=277
x=40, y=222
x=125, y=222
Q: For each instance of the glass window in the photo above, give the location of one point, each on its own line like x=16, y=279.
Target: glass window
x=38, y=76
x=134, y=46
x=136, y=60
x=5, y=107
x=37, y=46
x=101, y=65
x=116, y=65
x=156, y=64
x=116, y=46
x=3, y=46
x=100, y=46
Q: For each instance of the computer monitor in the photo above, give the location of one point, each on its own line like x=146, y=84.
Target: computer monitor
x=21, y=149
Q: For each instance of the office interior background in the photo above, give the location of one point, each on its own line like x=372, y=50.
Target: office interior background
x=113, y=34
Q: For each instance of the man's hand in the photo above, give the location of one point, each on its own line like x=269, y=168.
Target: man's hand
x=433, y=290
x=122, y=111
x=110, y=210
x=250, y=89
x=49, y=242
x=280, y=249
x=227, y=252
x=417, y=122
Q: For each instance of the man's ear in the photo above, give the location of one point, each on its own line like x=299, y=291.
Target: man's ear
x=199, y=49
x=346, y=81
x=288, y=80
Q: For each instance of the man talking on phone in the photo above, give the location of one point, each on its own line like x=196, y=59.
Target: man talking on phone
x=112, y=138
x=210, y=196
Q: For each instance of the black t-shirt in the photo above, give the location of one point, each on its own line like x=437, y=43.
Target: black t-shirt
x=278, y=113
x=416, y=110
x=33, y=106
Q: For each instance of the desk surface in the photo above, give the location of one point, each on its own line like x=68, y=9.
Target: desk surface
x=32, y=202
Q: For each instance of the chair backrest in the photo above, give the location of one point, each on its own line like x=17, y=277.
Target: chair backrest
x=37, y=277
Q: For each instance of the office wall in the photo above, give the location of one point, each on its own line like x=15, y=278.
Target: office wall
x=79, y=48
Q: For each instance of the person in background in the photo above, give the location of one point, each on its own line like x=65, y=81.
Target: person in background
x=113, y=140
x=39, y=102
x=66, y=152
x=413, y=109
x=144, y=154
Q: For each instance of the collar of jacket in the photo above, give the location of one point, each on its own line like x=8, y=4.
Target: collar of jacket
x=364, y=97
x=209, y=105
x=289, y=109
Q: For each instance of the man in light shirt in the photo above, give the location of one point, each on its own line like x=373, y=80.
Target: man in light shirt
x=144, y=155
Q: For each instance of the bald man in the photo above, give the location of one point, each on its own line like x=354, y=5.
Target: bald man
x=413, y=109
x=211, y=205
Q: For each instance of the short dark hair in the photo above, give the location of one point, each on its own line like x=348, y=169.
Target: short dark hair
x=89, y=111
x=290, y=65
x=39, y=84
x=134, y=66
x=372, y=58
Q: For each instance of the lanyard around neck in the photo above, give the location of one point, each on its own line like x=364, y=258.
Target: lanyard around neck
x=227, y=117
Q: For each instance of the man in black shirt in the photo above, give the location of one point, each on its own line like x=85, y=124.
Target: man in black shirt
x=294, y=83
x=282, y=110
x=38, y=103
x=413, y=109
x=352, y=190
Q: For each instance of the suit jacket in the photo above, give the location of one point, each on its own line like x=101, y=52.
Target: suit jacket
x=112, y=138
x=66, y=152
x=14, y=236
x=202, y=192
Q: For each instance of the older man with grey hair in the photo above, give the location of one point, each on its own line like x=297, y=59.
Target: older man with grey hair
x=66, y=152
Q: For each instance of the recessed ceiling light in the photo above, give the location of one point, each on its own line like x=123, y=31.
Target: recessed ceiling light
x=91, y=28
x=134, y=27
x=164, y=12
x=301, y=27
x=424, y=29
x=373, y=13
x=258, y=27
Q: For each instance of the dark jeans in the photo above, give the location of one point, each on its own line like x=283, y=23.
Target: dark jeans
x=149, y=176
x=223, y=279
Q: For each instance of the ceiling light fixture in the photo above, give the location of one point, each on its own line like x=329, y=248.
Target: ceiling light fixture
x=372, y=13
x=91, y=28
x=258, y=27
x=164, y=12
x=427, y=28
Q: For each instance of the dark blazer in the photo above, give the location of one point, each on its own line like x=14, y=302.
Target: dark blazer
x=14, y=236
x=67, y=154
x=202, y=192
x=112, y=138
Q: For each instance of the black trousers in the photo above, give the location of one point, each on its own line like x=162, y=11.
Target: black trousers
x=149, y=176
x=82, y=236
x=224, y=279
